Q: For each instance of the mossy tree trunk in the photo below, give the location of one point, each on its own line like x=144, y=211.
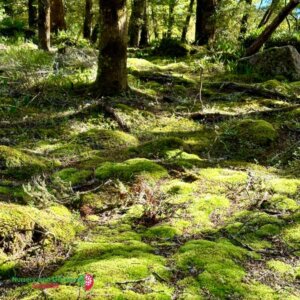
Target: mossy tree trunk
x=44, y=24
x=136, y=22
x=88, y=20
x=58, y=21
x=187, y=21
x=32, y=14
x=205, y=21
x=265, y=35
x=154, y=22
x=112, y=66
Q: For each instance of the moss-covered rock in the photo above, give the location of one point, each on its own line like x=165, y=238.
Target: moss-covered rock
x=157, y=148
x=106, y=139
x=129, y=169
x=171, y=47
x=20, y=165
x=73, y=175
x=246, y=139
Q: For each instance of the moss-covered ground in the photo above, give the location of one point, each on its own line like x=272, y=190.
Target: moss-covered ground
x=179, y=207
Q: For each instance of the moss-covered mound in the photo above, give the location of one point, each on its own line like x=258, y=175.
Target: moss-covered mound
x=172, y=48
x=106, y=139
x=157, y=148
x=247, y=138
x=19, y=164
x=129, y=169
x=23, y=226
x=73, y=175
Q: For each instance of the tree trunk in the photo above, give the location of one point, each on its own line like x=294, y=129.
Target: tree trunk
x=95, y=33
x=112, y=67
x=32, y=14
x=154, y=23
x=187, y=21
x=205, y=21
x=144, y=42
x=265, y=35
x=244, y=21
x=58, y=16
x=171, y=19
x=44, y=24
x=136, y=22
x=88, y=19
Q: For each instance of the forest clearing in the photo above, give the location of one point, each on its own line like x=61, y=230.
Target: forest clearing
x=149, y=149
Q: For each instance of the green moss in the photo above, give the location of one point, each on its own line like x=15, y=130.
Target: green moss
x=19, y=164
x=283, y=203
x=284, y=185
x=246, y=138
x=222, y=175
x=291, y=236
x=215, y=266
x=106, y=139
x=93, y=200
x=161, y=232
x=177, y=187
x=268, y=230
x=157, y=148
x=257, y=290
x=183, y=159
x=129, y=169
x=280, y=267
x=72, y=175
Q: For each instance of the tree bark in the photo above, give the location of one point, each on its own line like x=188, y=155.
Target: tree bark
x=58, y=16
x=265, y=35
x=244, y=21
x=112, y=66
x=154, y=22
x=32, y=14
x=136, y=22
x=144, y=42
x=44, y=24
x=171, y=19
x=88, y=19
x=205, y=21
x=187, y=21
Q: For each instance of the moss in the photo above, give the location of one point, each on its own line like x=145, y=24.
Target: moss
x=291, y=236
x=161, y=232
x=177, y=187
x=282, y=203
x=284, y=185
x=129, y=169
x=138, y=64
x=257, y=290
x=280, y=267
x=93, y=200
x=268, y=230
x=222, y=175
x=246, y=138
x=215, y=266
x=72, y=175
x=106, y=139
x=157, y=148
x=183, y=159
x=19, y=164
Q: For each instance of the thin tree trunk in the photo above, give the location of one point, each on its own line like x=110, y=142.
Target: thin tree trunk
x=205, y=21
x=95, y=33
x=154, y=23
x=88, y=19
x=136, y=22
x=244, y=21
x=44, y=24
x=32, y=14
x=144, y=42
x=269, y=12
x=58, y=16
x=171, y=19
x=187, y=21
x=112, y=66
x=265, y=35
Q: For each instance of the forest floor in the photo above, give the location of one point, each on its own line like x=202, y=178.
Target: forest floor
x=183, y=188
